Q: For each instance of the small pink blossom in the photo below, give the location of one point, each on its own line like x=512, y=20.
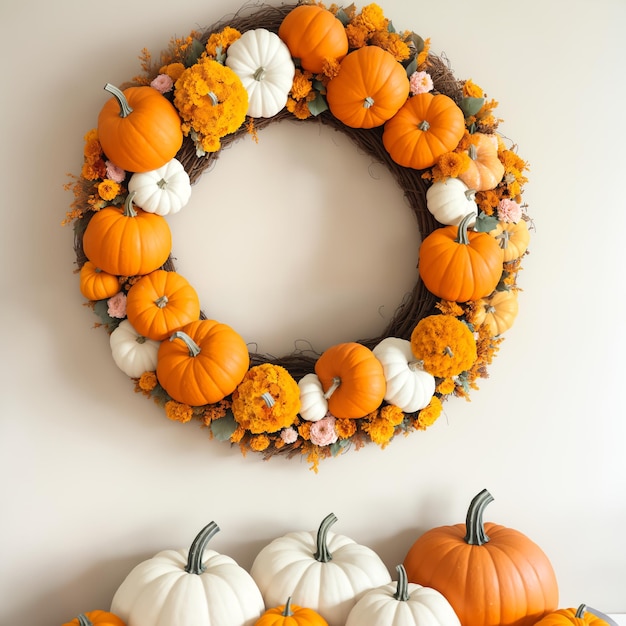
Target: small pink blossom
x=162, y=83
x=509, y=211
x=323, y=431
x=420, y=82
x=289, y=435
x=117, y=305
x=114, y=172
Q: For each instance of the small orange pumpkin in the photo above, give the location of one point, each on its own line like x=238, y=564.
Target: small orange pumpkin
x=424, y=128
x=139, y=129
x=370, y=88
x=582, y=616
x=160, y=303
x=127, y=241
x=513, y=238
x=352, y=378
x=485, y=169
x=96, y=284
x=96, y=618
x=202, y=363
x=460, y=265
x=290, y=615
x=313, y=34
x=498, y=311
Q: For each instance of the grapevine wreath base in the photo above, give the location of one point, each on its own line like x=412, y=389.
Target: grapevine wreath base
x=438, y=137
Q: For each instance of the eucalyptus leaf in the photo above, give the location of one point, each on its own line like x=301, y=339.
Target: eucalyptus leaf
x=224, y=427
x=101, y=309
x=485, y=223
x=411, y=67
x=319, y=86
x=339, y=446
x=471, y=106
x=416, y=41
x=318, y=105
x=194, y=52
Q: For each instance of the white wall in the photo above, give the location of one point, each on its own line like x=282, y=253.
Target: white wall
x=94, y=478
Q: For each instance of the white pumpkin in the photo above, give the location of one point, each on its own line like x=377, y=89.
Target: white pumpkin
x=408, y=385
x=402, y=604
x=164, y=191
x=313, y=402
x=195, y=587
x=322, y=571
x=450, y=200
x=133, y=353
x=265, y=67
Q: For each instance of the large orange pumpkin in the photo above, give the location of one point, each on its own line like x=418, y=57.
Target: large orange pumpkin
x=485, y=169
x=313, y=34
x=426, y=127
x=352, y=378
x=490, y=574
x=460, y=265
x=370, y=88
x=139, y=129
x=160, y=303
x=202, y=363
x=127, y=241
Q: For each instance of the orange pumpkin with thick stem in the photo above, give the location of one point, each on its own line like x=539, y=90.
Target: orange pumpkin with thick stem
x=139, y=129
x=290, y=615
x=160, y=303
x=370, y=88
x=582, y=616
x=96, y=618
x=202, y=362
x=96, y=284
x=460, y=265
x=485, y=169
x=498, y=311
x=313, y=34
x=424, y=128
x=513, y=238
x=490, y=574
x=352, y=378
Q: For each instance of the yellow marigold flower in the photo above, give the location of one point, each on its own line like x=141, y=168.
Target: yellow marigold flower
x=487, y=201
x=472, y=90
x=173, y=70
x=451, y=164
x=358, y=36
x=304, y=430
x=422, y=57
x=178, y=412
x=393, y=414
x=446, y=386
x=379, y=430
x=215, y=411
x=428, y=416
x=302, y=85
x=238, y=435
x=108, y=189
x=147, y=381
x=447, y=307
x=345, y=428
x=299, y=108
x=93, y=170
x=372, y=18
x=445, y=345
x=221, y=40
x=392, y=43
x=259, y=443
x=266, y=400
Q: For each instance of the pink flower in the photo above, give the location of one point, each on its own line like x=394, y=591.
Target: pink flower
x=114, y=172
x=117, y=305
x=420, y=82
x=323, y=431
x=289, y=435
x=162, y=83
x=509, y=211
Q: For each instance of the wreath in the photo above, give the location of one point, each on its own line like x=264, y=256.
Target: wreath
x=399, y=103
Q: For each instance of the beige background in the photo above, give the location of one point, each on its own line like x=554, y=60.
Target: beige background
x=304, y=233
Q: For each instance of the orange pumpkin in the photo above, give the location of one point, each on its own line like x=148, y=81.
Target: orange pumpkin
x=160, y=303
x=202, y=362
x=96, y=284
x=139, y=129
x=370, y=88
x=498, y=311
x=352, y=378
x=485, y=169
x=96, y=618
x=490, y=574
x=127, y=241
x=460, y=265
x=426, y=127
x=313, y=34
x=290, y=615
x=582, y=616
x=513, y=238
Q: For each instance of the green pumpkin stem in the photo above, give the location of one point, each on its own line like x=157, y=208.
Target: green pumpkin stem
x=129, y=209
x=194, y=560
x=583, y=608
x=423, y=125
x=83, y=620
x=402, y=590
x=475, y=534
x=333, y=387
x=462, y=237
x=161, y=302
x=259, y=74
x=192, y=346
x=287, y=612
x=125, y=108
x=214, y=99
x=368, y=102
x=323, y=554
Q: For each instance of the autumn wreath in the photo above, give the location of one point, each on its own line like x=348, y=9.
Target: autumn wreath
x=400, y=104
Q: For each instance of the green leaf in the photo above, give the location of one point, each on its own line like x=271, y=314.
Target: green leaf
x=101, y=309
x=193, y=53
x=224, y=427
x=342, y=16
x=411, y=67
x=471, y=106
x=319, y=86
x=339, y=446
x=416, y=41
x=485, y=223
x=318, y=105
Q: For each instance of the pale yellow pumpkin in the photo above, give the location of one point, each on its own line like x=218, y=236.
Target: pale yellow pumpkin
x=498, y=311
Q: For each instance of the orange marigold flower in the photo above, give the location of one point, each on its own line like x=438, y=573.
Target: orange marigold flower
x=372, y=18
x=428, y=416
x=215, y=411
x=422, y=57
x=299, y=108
x=93, y=170
x=108, y=189
x=380, y=430
x=472, y=90
x=330, y=68
x=447, y=307
x=446, y=386
x=487, y=201
x=345, y=428
x=302, y=85
x=358, y=36
x=221, y=40
x=392, y=43
x=173, y=70
x=451, y=164
x=178, y=412
x=238, y=435
x=304, y=430
x=147, y=381
x=393, y=414
x=259, y=443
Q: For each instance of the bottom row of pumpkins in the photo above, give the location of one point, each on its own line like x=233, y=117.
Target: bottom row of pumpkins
x=471, y=574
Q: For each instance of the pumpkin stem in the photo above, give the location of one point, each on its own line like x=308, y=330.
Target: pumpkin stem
x=503, y=239
x=161, y=302
x=583, y=608
x=473, y=153
x=125, y=108
x=323, y=554
x=213, y=98
x=194, y=560
x=129, y=209
x=470, y=194
x=448, y=351
x=462, y=237
x=423, y=125
x=287, y=612
x=415, y=366
x=162, y=184
x=268, y=399
x=402, y=590
x=140, y=339
x=333, y=387
x=259, y=74
x=368, y=102
x=194, y=348
x=474, y=526
x=83, y=620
